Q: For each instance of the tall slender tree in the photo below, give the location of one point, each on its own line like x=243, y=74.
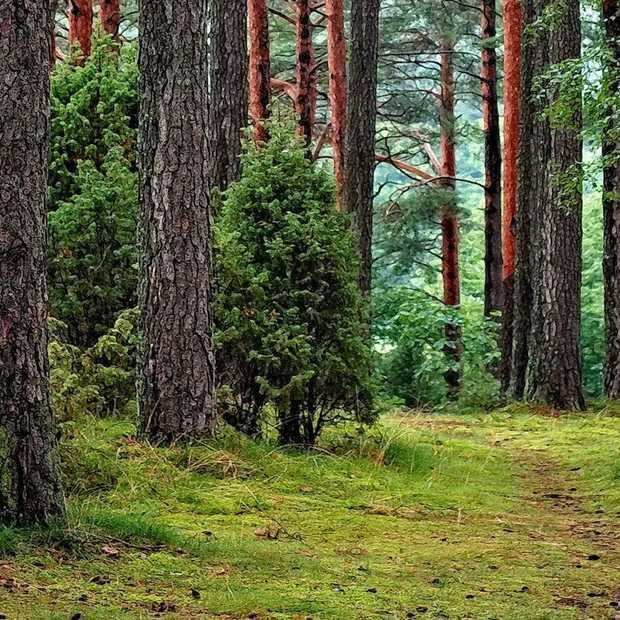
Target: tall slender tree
x=611, y=200
x=80, y=18
x=110, y=16
x=259, y=70
x=361, y=129
x=33, y=491
x=337, y=64
x=546, y=364
x=306, y=96
x=449, y=216
x=493, y=287
x=177, y=373
x=228, y=107
x=513, y=22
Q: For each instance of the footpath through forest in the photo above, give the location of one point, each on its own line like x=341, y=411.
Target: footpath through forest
x=508, y=515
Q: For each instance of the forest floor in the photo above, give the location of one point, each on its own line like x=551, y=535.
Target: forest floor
x=509, y=515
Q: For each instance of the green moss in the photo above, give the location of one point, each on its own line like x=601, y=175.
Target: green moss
x=446, y=514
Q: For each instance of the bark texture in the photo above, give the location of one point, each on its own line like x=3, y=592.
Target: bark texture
x=449, y=216
x=611, y=207
x=259, y=70
x=177, y=374
x=228, y=107
x=110, y=16
x=305, y=100
x=493, y=286
x=546, y=365
x=361, y=129
x=337, y=63
x=513, y=23
x=32, y=492
x=80, y=18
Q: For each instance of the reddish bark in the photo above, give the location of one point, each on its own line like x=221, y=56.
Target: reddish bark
x=305, y=101
x=449, y=217
x=338, y=92
x=512, y=92
x=259, y=69
x=110, y=15
x=493, y=288
x=80, y=16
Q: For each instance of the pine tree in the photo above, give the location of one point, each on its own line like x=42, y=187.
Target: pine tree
x=306, y=96
x=110, y=16
x=361, y=129
x=33, y=491
x=177, y=373
x=80, y=18
x=228, y=106
x=546, y=361
x=259, y=70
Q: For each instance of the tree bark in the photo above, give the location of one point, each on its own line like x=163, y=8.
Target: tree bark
x=229, y=89
x=493, y=288
x=305, y=101
x=259, y=69
x=110, y=16
x=449, y=217
x=80, y=18
x=33, y=491
x=611, y=206
x=513, y=23
x=337, y=63
x=547, y=323
x=361, y=129
x=177, y=373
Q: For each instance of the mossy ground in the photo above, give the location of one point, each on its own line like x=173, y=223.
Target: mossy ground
x=504, y=515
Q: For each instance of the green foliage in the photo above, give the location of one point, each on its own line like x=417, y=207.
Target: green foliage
x=93, y=190
x=410, y=329
x=100, y=380
x=291, y=319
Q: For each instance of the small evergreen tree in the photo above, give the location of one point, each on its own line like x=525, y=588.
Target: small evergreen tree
x=292, y=323
x=93, y=191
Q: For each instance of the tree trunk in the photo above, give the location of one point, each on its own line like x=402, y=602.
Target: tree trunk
x=33, y=491
x=259, y=69
x=177, y=374
x=546, y=353
x=449, y=218
x=305, y=101
x=228, y=107
x=80, y=17
x=493, y=288
x=611, y=207
x=337, y=62
x=512, y=89
x=361, y=128
x=110, y=16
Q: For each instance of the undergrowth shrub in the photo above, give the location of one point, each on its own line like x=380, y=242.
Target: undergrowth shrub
x=292, y=323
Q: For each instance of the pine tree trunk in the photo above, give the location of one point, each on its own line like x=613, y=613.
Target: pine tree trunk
x=228, y=107
x=80, y=18
x=512, y=90
x=110, y=16
x=493, y=288
x=611, y=208
x=33, y=489
x=547, y=361
x=305, y=101
x=259, y=69
x=361, y=129
x=449, y=218
x=177, y=374
x=337, y=62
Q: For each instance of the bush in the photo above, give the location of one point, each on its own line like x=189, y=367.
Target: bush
x=93, y=191
x=292, y=323
x=100, y=380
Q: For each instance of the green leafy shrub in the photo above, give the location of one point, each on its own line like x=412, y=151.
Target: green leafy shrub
x=99, y=380
x=93, y=191
x=292, y=323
